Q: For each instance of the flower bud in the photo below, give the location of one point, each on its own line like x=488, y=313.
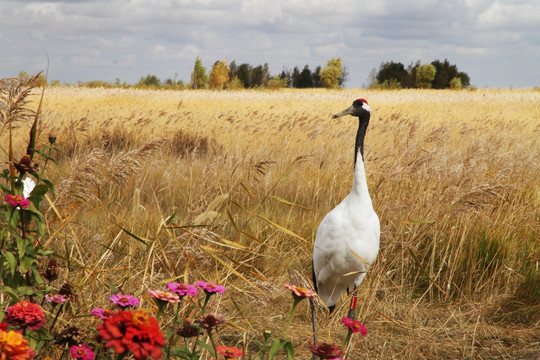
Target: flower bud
x=52, y=271
x=52, y=138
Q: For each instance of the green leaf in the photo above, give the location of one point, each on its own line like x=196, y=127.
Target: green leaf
x=10, y=291
x=276, y=346
x=289, y=349
x=10, y=258
x=133, y=235
x=21, y=247
x=26, y=264
x=207, y=347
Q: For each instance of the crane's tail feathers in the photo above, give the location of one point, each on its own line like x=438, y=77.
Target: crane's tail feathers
x=314, y=277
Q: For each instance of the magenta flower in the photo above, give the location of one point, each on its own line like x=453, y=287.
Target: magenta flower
x=182, y=289
x=102, y=313
x=124, y=300
x=81, y=352
x=210, y=288
x=56, y=299
x=17, y=200
x=354, y=326
x=164, y=296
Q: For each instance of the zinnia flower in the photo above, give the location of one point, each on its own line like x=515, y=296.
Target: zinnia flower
x=102, y=313
x=211, y=321
x=354, y=326
x=82, y=352
x=300, y=293
x=188, y=330
x=229, y=352
x=326, y=351
x=25, y=315
x=57, y=299
x=135, y=332
x=17, y=200
x=13, y=346
x=124, y=300
x=164, y=296
x=210, y=288
x=182, y=289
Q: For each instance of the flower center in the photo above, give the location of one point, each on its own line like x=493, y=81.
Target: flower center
x=140, y=318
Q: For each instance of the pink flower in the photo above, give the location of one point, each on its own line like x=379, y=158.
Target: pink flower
x=17, y=200
x=354, y=326
x=81, y=352
x=102, y=313
x=210, y=288
x=164, y=296
x=57, y=299
x=124, y=300
x=182, y=289
x=300, y=292
x=26, y=315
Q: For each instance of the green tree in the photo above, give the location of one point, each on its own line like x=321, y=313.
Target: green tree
x=393, y=73
x=150, y=81
x=332, y=75
x=199, y=79
x=425, y=75
x=219, y=75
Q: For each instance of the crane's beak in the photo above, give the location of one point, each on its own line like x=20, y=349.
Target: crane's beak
x=348, y=111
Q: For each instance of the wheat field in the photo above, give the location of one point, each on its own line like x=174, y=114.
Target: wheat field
x=230, y=187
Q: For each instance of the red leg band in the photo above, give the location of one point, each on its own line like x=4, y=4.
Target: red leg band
x=354, y=300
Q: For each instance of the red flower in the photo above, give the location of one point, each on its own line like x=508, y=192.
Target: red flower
x=354, y=326
x=229, y=352
x=326, y=351
x=26, y=315
x=136, y=332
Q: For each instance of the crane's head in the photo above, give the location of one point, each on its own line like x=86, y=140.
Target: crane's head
x=359, y=108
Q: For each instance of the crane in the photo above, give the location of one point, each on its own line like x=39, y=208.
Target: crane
x=347, y=240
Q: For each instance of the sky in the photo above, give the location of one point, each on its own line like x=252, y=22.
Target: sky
x=497, y=43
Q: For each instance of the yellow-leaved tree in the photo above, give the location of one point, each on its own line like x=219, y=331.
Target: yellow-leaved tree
x=332, y=74
x=219, y=75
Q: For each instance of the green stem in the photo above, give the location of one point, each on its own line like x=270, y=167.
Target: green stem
x=56, y=318
x=296, y=301
x=212, y=341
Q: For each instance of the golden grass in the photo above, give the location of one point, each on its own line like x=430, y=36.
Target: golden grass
x=454, y=177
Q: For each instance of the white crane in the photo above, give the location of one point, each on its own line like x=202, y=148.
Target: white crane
x=347, y=241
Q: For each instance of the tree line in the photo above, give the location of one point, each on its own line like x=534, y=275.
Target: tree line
x=435, y=75
x=246, y=76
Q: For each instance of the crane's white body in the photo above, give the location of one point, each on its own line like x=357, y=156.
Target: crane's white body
x=347, y=241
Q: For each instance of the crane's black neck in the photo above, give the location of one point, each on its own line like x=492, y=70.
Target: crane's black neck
x=360, y=135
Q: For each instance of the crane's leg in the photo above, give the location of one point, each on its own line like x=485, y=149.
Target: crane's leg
x=312, y=305
x=352, y=309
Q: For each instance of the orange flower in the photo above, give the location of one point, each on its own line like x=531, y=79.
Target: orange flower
x=13, y=346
